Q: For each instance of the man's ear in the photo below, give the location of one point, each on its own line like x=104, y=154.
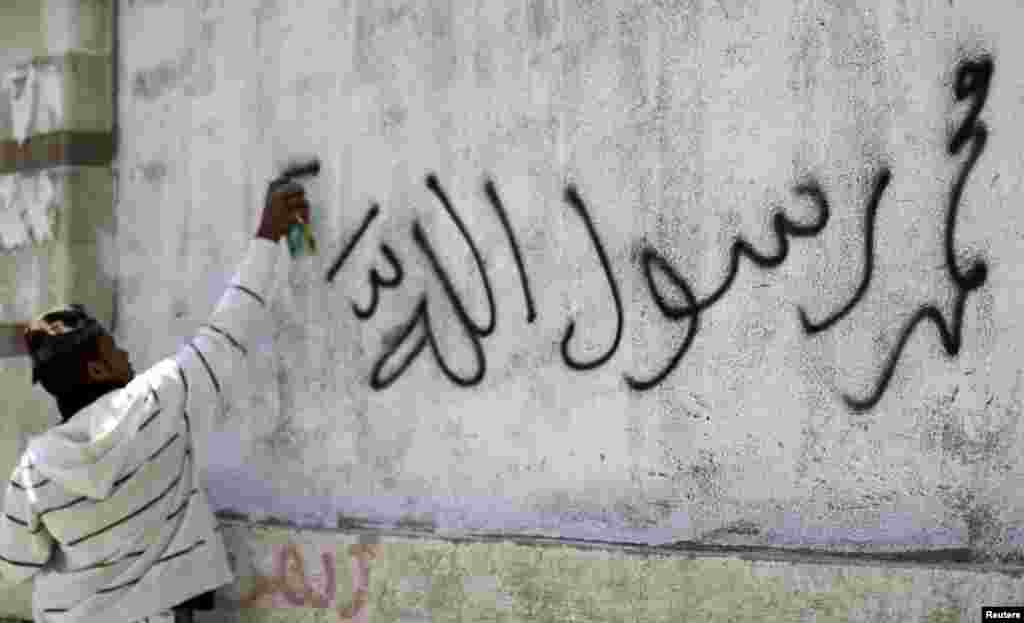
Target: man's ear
x=97, y=371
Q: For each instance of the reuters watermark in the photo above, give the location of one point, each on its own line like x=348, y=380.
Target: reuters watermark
x=1002, y=613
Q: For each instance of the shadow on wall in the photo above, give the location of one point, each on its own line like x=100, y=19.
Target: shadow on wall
x=288, y=587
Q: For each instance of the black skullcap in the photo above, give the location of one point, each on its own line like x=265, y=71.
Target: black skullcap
x=59, y=333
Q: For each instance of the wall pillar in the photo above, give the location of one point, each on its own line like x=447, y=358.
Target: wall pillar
x=57, y=225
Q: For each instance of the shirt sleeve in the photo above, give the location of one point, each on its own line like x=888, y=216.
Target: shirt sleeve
x=213, y=358
x=25, y=544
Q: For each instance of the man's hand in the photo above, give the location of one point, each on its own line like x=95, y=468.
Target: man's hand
x=285, y=203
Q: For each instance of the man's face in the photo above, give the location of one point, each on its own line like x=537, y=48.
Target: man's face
x=113, y=366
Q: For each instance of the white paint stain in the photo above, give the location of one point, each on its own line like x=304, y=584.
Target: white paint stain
x=26, y=204
x=50, y=103
x=13, y=232
x=38, y=197
x=37, y=99
x=20, y=84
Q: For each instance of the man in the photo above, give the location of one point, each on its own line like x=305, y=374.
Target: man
x=110, y=503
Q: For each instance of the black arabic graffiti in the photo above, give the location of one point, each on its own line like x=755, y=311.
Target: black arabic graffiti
x=421, y=314
x=783, y=227
x=810, y=327
x=972, y=82
x=573, y=199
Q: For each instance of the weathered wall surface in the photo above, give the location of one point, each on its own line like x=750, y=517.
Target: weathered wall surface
x=57, y=221
x=636, y=271
x=324, y=576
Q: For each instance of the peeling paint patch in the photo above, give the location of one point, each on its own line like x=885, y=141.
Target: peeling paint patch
x=445, y=60
x=207, y=32
x=27, y=203
x=707, y=474
x=742, y=527
x=394, y=116
x=944, y=615
x=180, y=308
x=350, y=523
x=979, y=516
x=396, y=578
x=365, y=54
x=541, y=23
x=13, y=232
x=193, y=70
x=443, y=581
x=153, y=83
x=425, y=524
x=967, y=435
x=483, y=63
x=202, y=81
x=393, y=15
x=153, y=172
x=231, y=514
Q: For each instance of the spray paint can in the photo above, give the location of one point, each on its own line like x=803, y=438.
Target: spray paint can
x=300, y=234
x=300, y=237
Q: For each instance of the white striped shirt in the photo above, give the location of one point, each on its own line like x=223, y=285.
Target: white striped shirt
x=109, y=506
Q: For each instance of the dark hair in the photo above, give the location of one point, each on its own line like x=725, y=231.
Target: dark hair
x=63, y=373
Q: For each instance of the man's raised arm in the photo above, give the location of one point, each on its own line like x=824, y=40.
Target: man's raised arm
x=219, y=349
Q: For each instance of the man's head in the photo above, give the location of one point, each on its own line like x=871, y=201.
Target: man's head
x=74, y=357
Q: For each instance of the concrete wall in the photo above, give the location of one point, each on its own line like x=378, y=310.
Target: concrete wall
x=391, y=578
x=650, y=353
x=684, y=128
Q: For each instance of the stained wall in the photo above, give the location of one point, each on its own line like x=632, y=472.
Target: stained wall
x=634, y=149
x=723, y=272
x=664, y=267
